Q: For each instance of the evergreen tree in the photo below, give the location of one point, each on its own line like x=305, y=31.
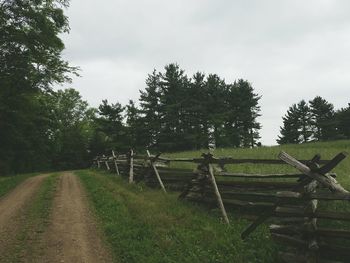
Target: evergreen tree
x=196, y=134
x=290, y=131
x=173, y=84
x=248, y=113
x=110, y=125
x=215, y=89
x=150, y=109
x=232, y=124
x=323, y=120
x=135, y=127
x=305, y=121
x=343, y=122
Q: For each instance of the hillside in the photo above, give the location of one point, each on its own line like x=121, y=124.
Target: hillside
x=327, y=150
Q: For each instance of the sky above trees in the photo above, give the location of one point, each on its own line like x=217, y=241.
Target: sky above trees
x=288, y=50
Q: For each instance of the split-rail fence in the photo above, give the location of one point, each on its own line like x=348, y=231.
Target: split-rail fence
x=289, y=202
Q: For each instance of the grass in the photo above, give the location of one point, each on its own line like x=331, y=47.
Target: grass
x=34, y=223
x=7, y=183
x=145, y=225
x=327, y=150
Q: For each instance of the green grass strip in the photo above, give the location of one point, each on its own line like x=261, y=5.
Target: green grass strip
x=145, y=225
x=7, y=183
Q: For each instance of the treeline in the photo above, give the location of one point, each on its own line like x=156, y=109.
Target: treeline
x=316, y=120
x=42, y=129
x=177, y=112
x=30, y=62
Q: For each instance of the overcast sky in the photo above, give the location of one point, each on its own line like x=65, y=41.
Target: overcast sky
x=288, y=50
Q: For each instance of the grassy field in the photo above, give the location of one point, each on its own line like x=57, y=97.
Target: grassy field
x=327, y=150
x=146, y=225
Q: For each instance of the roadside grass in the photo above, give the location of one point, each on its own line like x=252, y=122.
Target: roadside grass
x=306, y=151
x=7, y=183
x=146, y=225
x=34, y=222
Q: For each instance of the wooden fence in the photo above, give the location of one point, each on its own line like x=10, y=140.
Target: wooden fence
x=290, y=203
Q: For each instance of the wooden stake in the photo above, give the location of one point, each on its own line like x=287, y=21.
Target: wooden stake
x=106, y=162
x=217, y=193
x=115, y=163
x=131, y=171
x=156, y=172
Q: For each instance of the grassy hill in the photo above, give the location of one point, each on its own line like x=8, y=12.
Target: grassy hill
x=327, y=150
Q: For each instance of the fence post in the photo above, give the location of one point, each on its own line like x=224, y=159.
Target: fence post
x=106, y=162
x=115, y=162
x=208, y=158
x=156, y=171
x=98, y=162
x=131, y=162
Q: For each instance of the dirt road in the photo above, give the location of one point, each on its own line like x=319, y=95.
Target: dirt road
x=12, y=208
x=72, y=235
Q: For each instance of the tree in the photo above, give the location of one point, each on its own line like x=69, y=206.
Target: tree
x=109, y=125
x=70, y=128
x=248, y=112
x=135, y=128
x=215, y=109
x=196, y=116
x=290, y=131
x=30, y=61
x=305, y=121
x=150, y=109
x=323, y=120
x=343, y=122
x=173, y=86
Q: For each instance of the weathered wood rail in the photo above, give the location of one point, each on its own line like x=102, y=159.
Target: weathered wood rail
x=289, y=202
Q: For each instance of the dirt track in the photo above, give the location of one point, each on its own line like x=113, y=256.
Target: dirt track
x=72, y=235
x=12, y=207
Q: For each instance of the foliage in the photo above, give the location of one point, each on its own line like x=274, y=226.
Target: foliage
x=30, y=62
x=179, y=113
x=314, y=121
x=343, y=122
x=144, y=225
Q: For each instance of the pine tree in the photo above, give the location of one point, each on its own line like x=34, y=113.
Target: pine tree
x=290, y=131
x=135, y=128
x=195, y=117
x=150, y=109
x=343, y=122
x=173, y=85
x=248, y=112
x=232, y=122
x=215, y=89
x=305, y=121
x=110, y=123
x=323, y=120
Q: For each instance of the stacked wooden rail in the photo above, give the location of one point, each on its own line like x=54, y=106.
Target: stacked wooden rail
x=289, y=201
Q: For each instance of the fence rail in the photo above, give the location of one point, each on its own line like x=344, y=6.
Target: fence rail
x=288, y=201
